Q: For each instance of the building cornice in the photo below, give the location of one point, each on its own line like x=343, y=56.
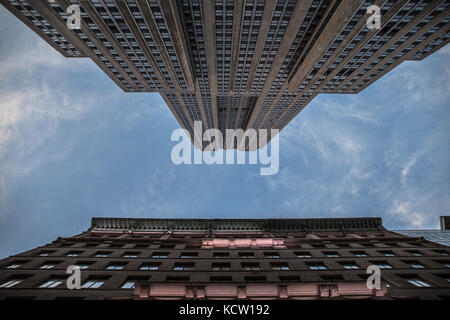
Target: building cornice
x=237, y=225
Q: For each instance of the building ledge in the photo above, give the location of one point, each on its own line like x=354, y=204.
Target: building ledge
x=237, y=225
x=306, y=291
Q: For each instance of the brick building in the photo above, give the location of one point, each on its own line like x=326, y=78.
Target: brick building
x=123, y=258
x=240, y=64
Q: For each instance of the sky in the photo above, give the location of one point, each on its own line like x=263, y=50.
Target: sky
x=74, y=146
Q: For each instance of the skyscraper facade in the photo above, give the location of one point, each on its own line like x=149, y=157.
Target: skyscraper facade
x=124, y=258
x=240, y=64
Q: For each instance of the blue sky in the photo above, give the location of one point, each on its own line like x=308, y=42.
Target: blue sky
x=74, y=146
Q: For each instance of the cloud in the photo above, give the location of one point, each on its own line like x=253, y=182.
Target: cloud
x=37, y=56
x=149, y=197
x=406, y=211
x=35, y=100
x=383, y=152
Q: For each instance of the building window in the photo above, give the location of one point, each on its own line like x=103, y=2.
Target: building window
x=115, y=266
x=130, y=283
x=177, y=278
x=350, y=265
x=192, y=246
x=11, y=283
x=273, y=255
x=255, y=278
x=391, y=244
x=188, y=255
x=167, y=246
x=14, y=265
x=317, y=266
x=221, y=254
x=160, y=255
x=141, y=246
x=331, y=254
x=246, y=255
x=383, y=265
x=220, y=278
x=45, y=253
x=250, y=266
x=83, y=265
x=360, y=254
x=303, y=255
x=332, y=277
x=52, y=283
x=73, y=253
x=441, y=252
x=418, y=282
x=387, y=253
x=291, y=278
x=149, y=266
x=280, y=266
x=444, y=276
x=367, y=244
x=48, y=265
x=415, y=253
x=102, y=254
x=416, y=265
x=93, y=283
x=183, y=266
x=221, y=266
x=131, y=254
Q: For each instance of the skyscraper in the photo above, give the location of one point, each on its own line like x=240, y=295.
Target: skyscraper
x=121, y=258
x=240, y=64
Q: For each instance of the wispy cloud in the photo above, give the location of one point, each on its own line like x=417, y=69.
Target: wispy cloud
x=379, y=152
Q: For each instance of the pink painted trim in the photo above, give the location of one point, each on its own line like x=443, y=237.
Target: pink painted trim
x=349, y=290
x=243, y=243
